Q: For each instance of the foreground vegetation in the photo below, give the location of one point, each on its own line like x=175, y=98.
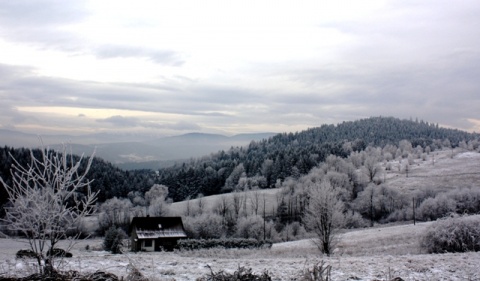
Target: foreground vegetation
x=381, y=253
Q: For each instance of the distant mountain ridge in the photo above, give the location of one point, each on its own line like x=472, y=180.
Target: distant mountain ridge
x=127, y=152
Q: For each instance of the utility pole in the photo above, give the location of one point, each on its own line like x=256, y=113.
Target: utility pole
x=414, y=221
x=371, y=208
x=264, y=220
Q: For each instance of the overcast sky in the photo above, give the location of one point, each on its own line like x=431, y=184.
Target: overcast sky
x=172, y=67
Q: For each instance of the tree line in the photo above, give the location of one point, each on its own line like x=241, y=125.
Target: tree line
x=261, y=164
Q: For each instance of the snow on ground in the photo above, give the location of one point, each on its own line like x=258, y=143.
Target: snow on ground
x=378, y=253
x=375, y=253
x=442, y=170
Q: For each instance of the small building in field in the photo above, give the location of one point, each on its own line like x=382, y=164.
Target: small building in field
x=156, y=233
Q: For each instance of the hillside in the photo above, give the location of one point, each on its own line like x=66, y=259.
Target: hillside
x=441, y=171
x=294, y=154
x=263, y=164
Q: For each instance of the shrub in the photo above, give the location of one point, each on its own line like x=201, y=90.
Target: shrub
x=438, y=207
x=319, y=272
x=57, y=252
x=292, y=231
x=459, y=234
x=26, y=254
x=113, y=240
x=467, y=200
x=355, y=220
x=242, y=274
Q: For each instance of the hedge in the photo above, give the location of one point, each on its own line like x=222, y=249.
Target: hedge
x=239, y=243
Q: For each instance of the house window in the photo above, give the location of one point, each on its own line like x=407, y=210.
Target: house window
x=147, y=243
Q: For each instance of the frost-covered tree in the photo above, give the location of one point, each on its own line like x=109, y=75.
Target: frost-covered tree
x=155, y=192
x=49, y=198
x=371, y=168
x=250, y=227
x=324, y=215
x=205, y=226
x=115, y=212
x=159, y=207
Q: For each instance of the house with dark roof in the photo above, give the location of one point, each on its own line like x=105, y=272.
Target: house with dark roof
x=156, y=233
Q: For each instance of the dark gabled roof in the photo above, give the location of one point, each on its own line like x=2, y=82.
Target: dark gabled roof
x=151, y=227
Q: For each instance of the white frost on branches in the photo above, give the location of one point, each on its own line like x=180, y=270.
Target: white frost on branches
x=48, y=198
x=324, y=215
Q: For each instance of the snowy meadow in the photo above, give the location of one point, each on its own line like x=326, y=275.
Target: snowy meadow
x=379, y=253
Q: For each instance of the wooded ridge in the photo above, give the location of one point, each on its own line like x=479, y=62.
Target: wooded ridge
x=262, y=163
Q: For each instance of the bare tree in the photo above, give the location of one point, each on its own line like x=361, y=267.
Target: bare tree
x=222, y=206
x=200, y=203
x=324, y=215
x=237, y=202
x=45, y=201
x=255, y=201
x=188, y=208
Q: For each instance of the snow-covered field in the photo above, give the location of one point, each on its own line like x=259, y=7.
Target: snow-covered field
x=370, y=254
x=379, y=253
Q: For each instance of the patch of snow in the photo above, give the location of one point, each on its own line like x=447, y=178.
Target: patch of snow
x=468, y=154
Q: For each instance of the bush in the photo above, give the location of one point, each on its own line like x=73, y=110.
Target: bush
x=438, y=207
x=355, y=220
x=26, y=254
x=242, y=274
x=459, y=234
x=113, y=240
x=292, y=231
x=59, y=253
x=467, y=200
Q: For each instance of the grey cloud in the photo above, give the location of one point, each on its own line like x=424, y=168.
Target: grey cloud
x=20, y=86
x=130, y=122
x=433, y=91
x=158, y=56
x=41, y=12
x=38, y=22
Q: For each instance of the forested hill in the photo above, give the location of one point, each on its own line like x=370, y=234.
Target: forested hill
x=108, y=179
x=261, y=164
